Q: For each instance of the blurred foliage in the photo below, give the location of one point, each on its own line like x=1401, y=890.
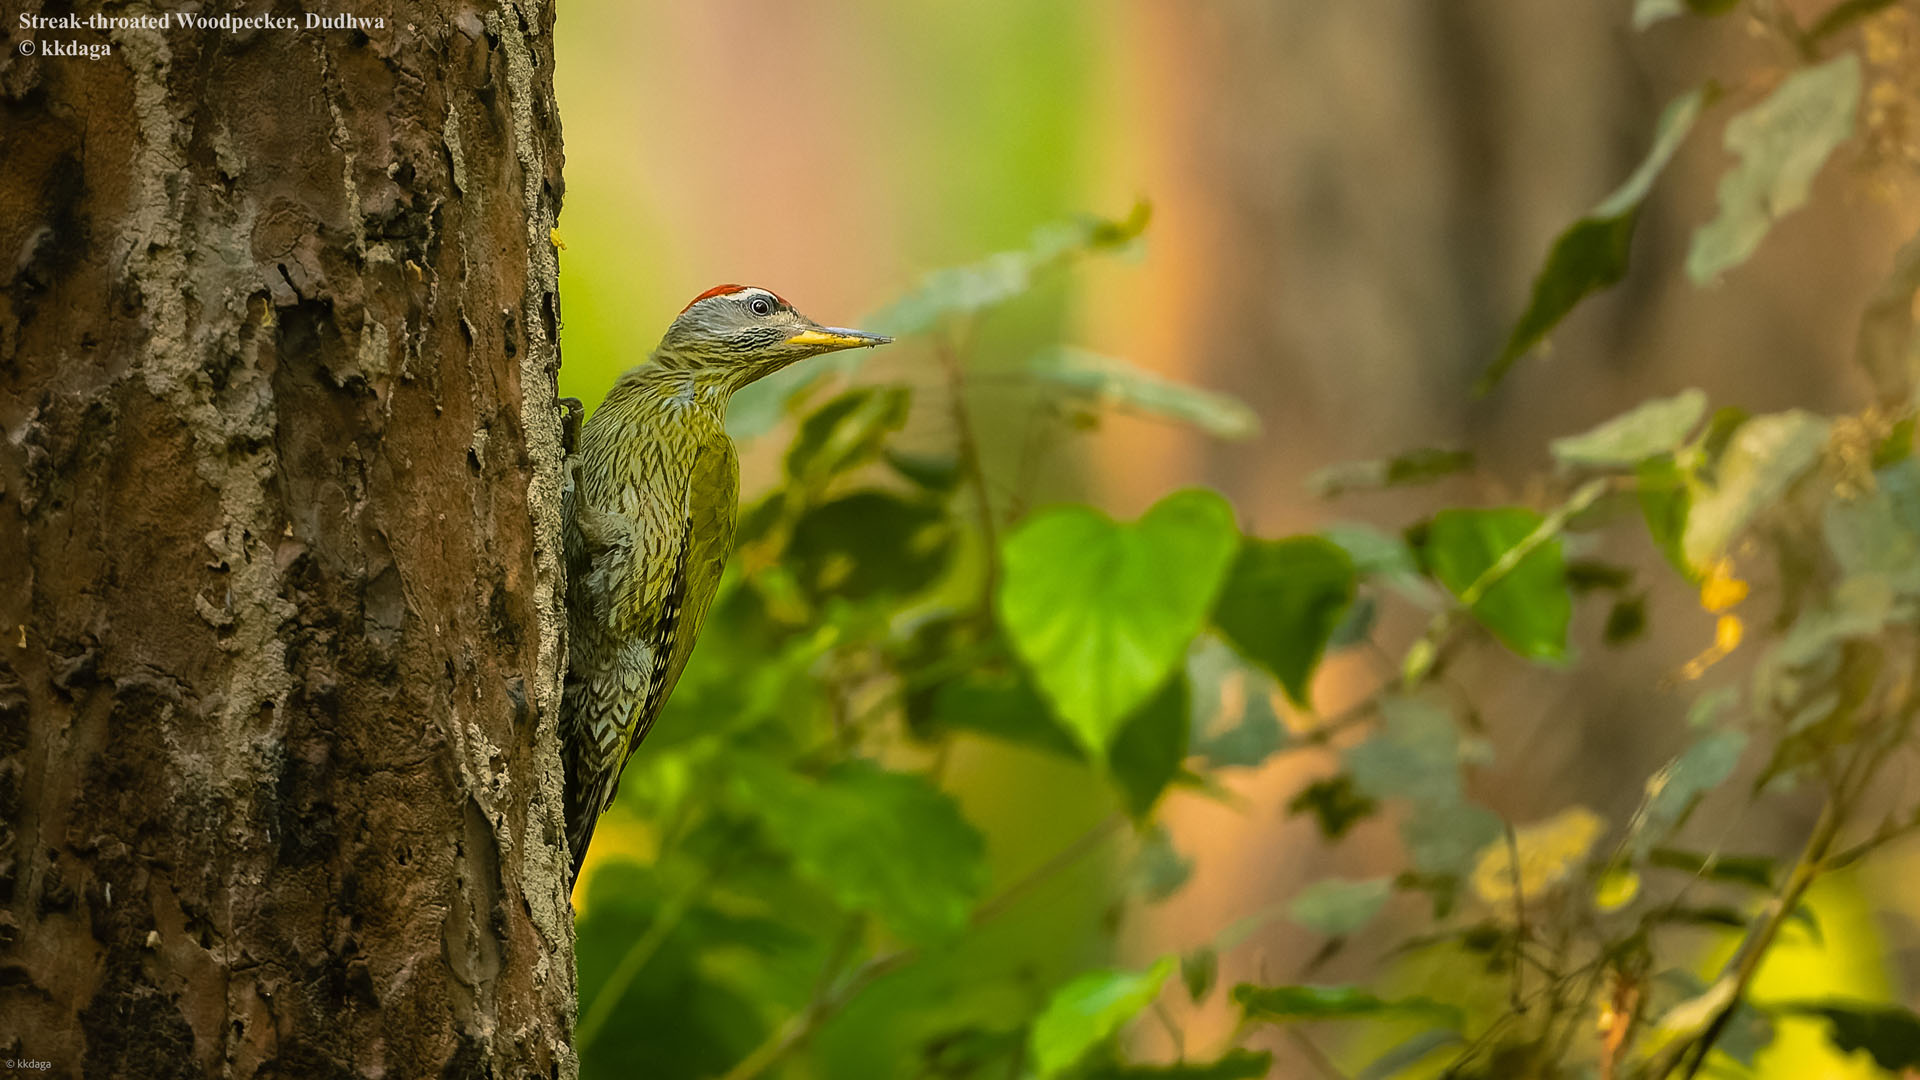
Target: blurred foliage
x=810, y=893
x=1592, y=253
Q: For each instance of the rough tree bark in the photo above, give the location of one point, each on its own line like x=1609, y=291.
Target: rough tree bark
x=278, y=527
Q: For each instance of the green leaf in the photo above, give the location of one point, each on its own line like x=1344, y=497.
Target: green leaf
x=1284, y=1004
x=1103, y=612
x=1110, y=383
x=1528, y=608
x=1147, y=752
x=937, y=473
x=1665, y=500
x=1002, y=706
x=1673, y=791
x=1896, y=447
x=1238, y=1064
x=1416, y=756
x=1720, y=428
x=1375, y=554
x=1708, y=707
x=1356, y=626
x=1198, y=970
x=885, y=842
x=1336, y=907
x=1447, y=839
x=1648, y=12
x=1282, y=602
x=1408, y=1054
x=1336, y=803
x=870, y=543
x=1858, y=607
x=1254, y=732
x=1720, y=916
x=1420, y=466
x=1885, y=346
x=1889, y=1033
x=1867, y=536
x=679, y=1019
x=1592, y=253
x=846, y=432
x=1089, y=1010
x=1756, y=871
x=1597, y=575
x=1648, y=430
x=1626, y=621
x=1782, y=143
x=969, y=1051
x=1256, y=737
x=966, y=290
x=1159, y=870
x=1763, y=458
x=1385, y=558
x=1748, y=1031
x=1899, y=481
x=1803, y=919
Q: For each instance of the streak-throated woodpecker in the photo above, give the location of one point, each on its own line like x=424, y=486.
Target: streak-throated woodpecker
x=649, y=516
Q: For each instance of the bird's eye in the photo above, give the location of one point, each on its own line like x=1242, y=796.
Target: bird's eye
x=760, y=305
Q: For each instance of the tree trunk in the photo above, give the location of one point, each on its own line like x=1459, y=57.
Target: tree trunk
x=279, y=794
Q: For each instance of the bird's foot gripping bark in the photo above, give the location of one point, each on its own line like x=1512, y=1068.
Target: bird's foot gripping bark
x=572, y=413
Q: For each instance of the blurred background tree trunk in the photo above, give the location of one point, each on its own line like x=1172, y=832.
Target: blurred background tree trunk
x=278, y=522
x=1351, y=202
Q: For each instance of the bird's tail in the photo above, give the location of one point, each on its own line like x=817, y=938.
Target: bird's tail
x=578, y=848
x=586, y=797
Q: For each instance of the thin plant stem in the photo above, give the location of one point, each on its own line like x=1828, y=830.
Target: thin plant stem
x=801, y=1026
x=971, y=462
x=1516, y=990
x=1075, y=850
x=635, y=961
x=1314, y=1055
x=1745, y=963
x=1172, y=1029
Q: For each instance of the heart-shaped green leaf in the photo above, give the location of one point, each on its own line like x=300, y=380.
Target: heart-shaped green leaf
x=1102, y=612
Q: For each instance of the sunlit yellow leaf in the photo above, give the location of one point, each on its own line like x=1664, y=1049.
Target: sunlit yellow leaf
x=1617, y=889
x=1549, y=852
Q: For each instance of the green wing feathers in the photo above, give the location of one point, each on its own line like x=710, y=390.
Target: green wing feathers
x=643, y=564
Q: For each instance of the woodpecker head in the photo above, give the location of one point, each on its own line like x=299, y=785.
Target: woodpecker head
x=739, y=333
